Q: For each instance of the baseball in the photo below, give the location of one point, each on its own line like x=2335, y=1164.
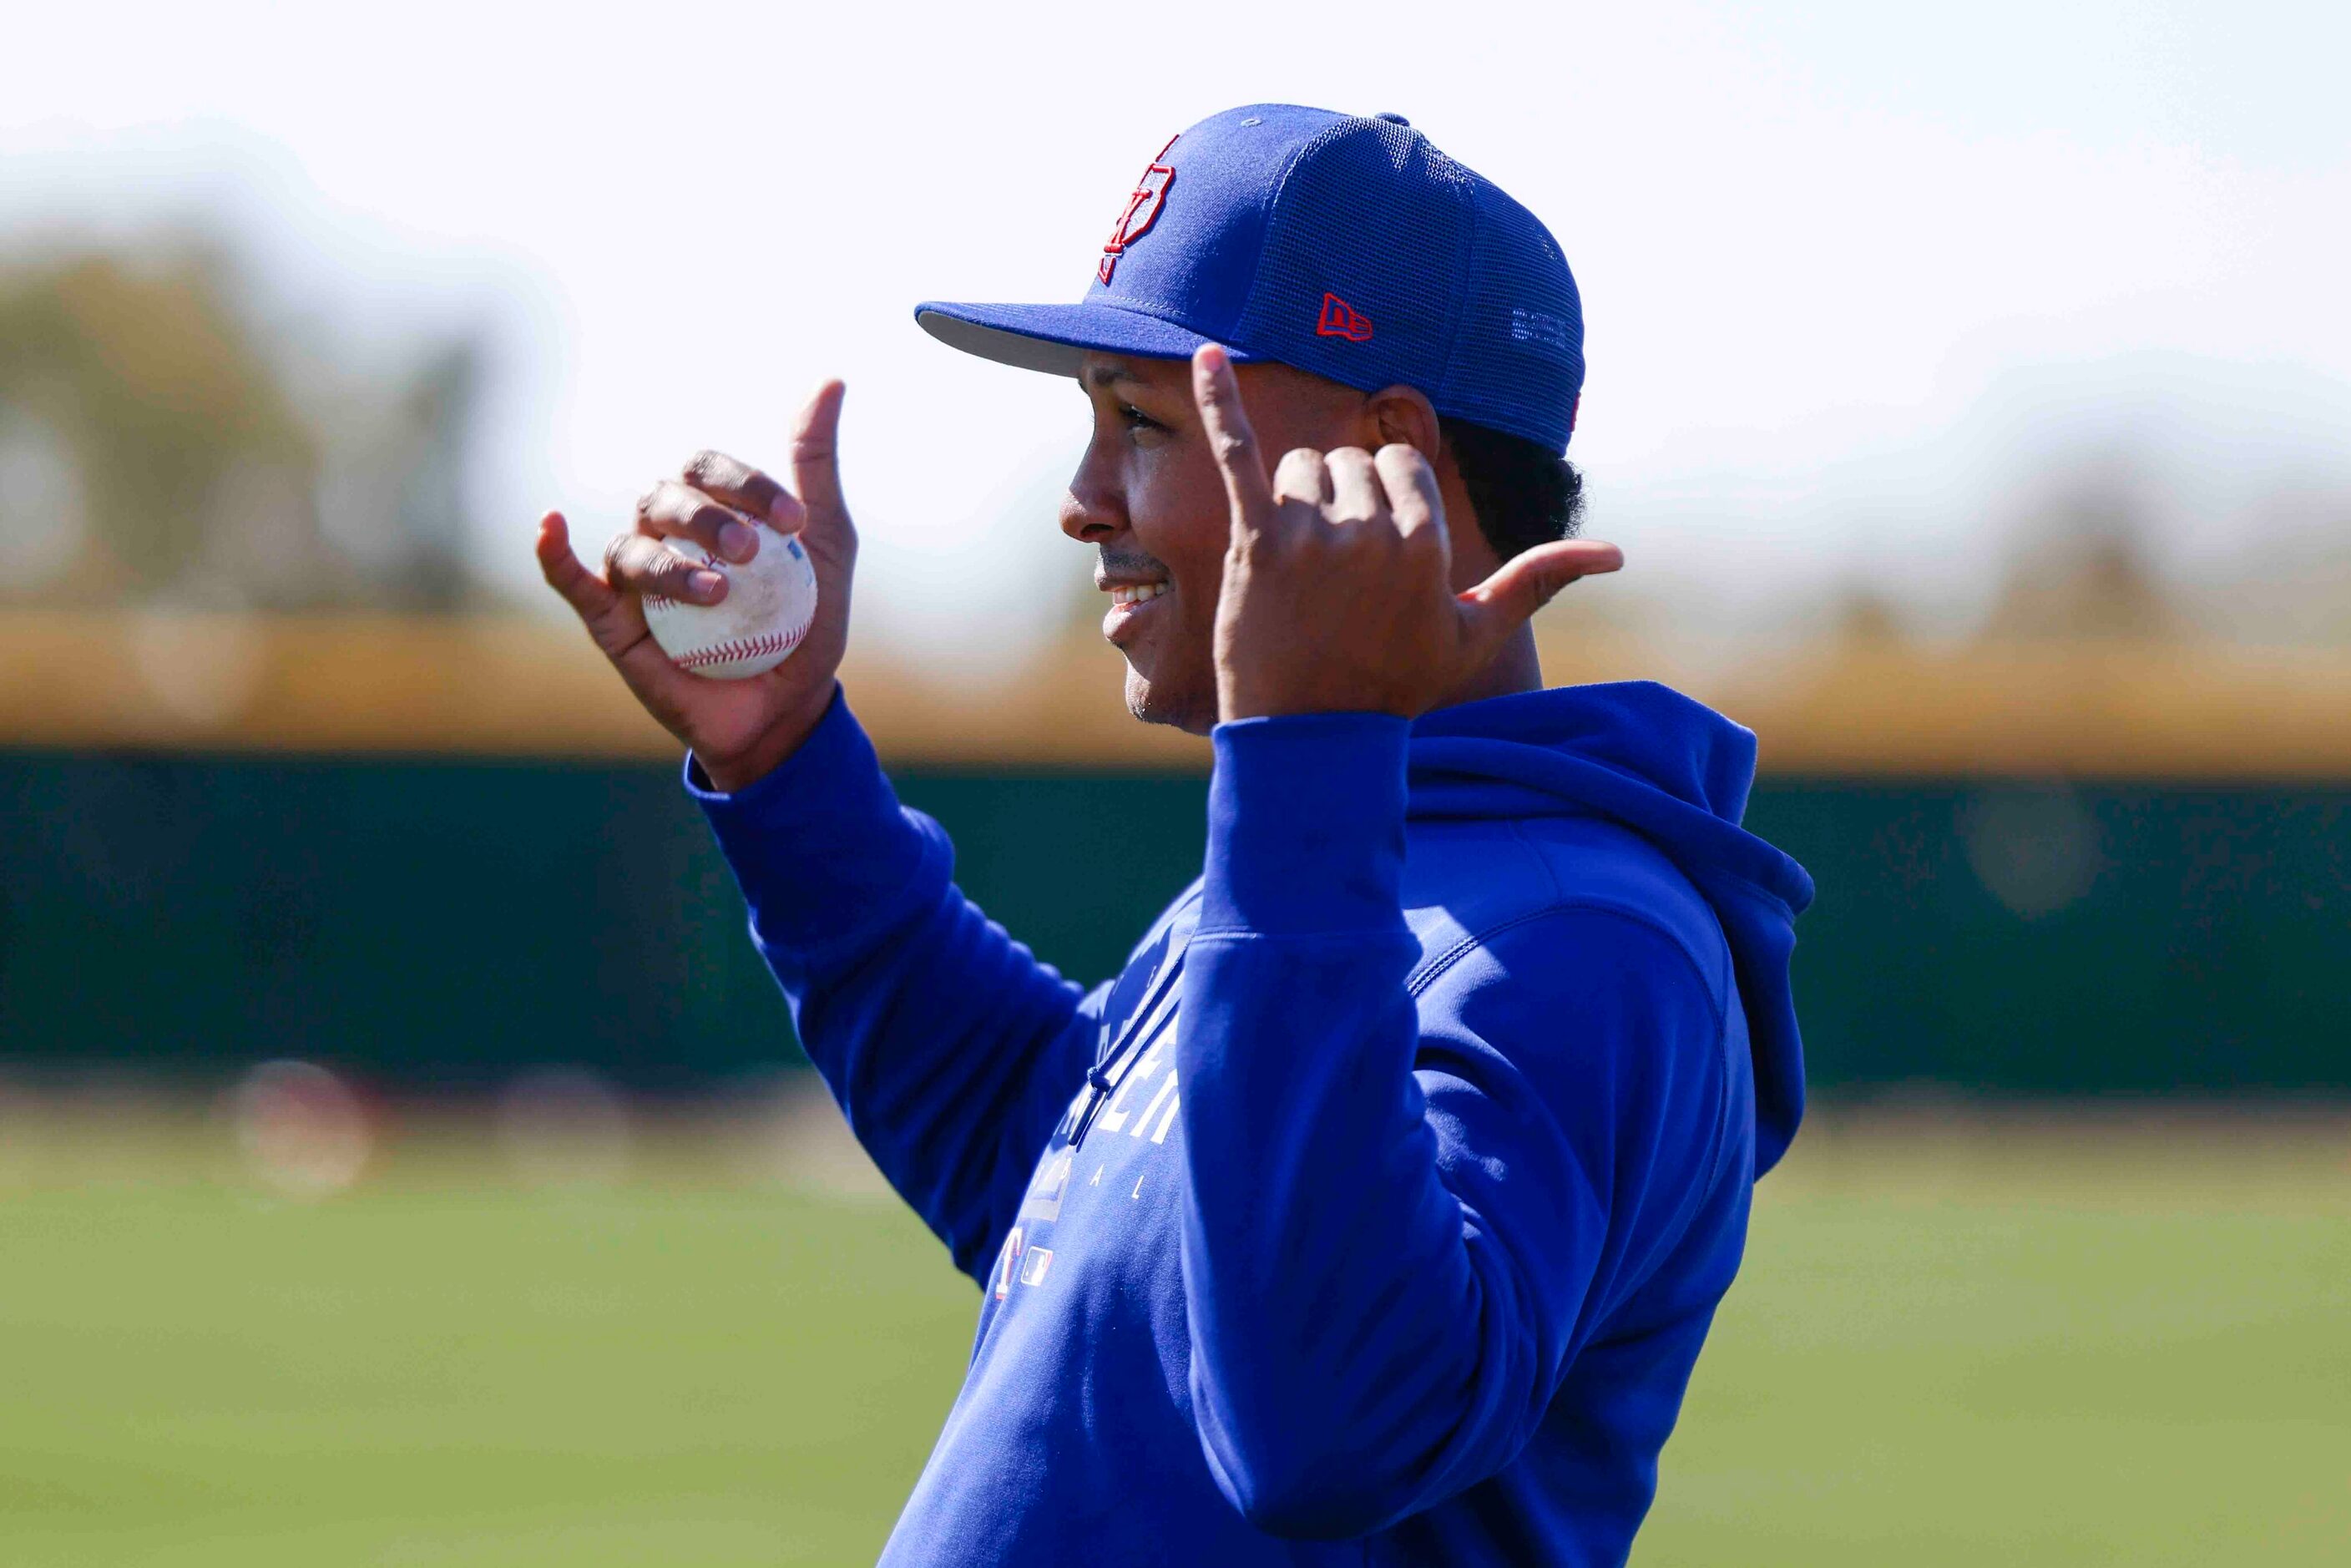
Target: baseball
x=770, y=600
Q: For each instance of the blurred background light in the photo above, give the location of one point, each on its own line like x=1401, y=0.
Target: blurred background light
x=302, y=1130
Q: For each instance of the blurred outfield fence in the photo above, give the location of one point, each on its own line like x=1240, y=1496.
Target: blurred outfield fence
x=436, y=854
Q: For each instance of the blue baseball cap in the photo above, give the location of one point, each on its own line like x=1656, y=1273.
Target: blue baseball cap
x=1346, y=246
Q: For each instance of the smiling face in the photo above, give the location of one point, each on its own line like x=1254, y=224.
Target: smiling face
x=1147, y=495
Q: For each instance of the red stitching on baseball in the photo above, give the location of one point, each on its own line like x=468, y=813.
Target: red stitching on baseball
x=742, y=648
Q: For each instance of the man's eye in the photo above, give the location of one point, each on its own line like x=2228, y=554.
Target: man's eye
x=1135, y=419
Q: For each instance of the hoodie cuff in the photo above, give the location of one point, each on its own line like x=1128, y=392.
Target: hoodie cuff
x=818, y=840
x=1306, y=820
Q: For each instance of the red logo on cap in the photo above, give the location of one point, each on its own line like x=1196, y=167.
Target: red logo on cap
x=1341, y=319
x=1142, y=211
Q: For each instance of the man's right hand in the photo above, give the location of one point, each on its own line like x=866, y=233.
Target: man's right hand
x=738, y=730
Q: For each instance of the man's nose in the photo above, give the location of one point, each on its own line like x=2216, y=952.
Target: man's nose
x=1091, y=512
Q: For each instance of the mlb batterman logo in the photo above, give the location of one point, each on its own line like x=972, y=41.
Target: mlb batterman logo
x=1142, y=210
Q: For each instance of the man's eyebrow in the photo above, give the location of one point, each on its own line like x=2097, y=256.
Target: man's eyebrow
x=1107, y=375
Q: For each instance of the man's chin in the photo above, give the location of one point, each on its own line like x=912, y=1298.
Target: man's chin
x=1152, y=703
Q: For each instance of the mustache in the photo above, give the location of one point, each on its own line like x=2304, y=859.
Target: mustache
x=1132, y=563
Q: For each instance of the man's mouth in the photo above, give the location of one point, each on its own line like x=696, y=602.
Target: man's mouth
x=1129, y=603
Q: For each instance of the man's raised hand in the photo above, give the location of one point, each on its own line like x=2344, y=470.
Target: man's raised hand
x=738, y=730
x=1338, y=593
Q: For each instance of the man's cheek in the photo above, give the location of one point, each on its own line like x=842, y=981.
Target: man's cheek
x=1197, y=583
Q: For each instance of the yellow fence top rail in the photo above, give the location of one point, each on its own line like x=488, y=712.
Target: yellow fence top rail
x=523, y=688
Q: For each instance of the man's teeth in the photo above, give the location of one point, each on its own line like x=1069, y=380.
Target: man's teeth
x=1136, y=593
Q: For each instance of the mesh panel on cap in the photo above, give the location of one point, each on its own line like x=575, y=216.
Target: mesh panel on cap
x=1518, y=362
x=1400, y=267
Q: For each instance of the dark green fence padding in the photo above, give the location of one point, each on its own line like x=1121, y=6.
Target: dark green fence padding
x=437, y=924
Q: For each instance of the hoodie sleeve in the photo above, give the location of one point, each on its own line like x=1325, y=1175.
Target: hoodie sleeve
x=1397, y=1234
x=950, y=1049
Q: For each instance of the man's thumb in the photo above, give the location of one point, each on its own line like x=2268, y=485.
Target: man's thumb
x=816, y=451
x=1526, y=583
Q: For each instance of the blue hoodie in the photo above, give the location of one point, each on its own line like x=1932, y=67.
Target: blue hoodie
x=1376, y=1212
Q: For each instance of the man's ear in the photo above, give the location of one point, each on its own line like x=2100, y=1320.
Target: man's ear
x=1403, y=415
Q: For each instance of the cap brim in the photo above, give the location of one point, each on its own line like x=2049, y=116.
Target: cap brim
x=1054, y=339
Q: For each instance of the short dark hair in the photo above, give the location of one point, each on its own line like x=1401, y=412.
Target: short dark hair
x=1524, y=494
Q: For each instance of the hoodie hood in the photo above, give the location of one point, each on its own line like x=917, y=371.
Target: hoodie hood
x=1672, y=770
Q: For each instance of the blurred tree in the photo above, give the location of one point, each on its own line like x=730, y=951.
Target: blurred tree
x=439, y=409
x=1863, y=616
x=151, y=450
x=2083, y=570
x=156, y=396
x=393, y=487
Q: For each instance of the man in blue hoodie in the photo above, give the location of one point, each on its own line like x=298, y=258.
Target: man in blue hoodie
x=1377, y=1210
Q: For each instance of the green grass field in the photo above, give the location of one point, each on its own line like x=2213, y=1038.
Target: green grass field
x=2015, y=1342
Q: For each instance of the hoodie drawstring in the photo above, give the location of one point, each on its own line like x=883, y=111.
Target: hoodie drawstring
x=1099, y=1084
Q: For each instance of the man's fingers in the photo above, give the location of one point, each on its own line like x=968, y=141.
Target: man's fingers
x=638, y=563
x=1413, y=496
x=816, y=454
x=1354, y=488
x=675, y=510
x=589, y=595
x=733, y=483
x=615, y=620
x=1526, y=583
x=1234, y=444
x=1302, y=476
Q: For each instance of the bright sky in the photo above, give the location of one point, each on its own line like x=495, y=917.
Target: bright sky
x=1851, y=270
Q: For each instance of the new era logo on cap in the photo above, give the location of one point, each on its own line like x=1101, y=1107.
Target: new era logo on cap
x=1236, y=230
x=1341, y=319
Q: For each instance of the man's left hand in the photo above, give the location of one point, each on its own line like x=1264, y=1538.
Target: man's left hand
x=1338, y=593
